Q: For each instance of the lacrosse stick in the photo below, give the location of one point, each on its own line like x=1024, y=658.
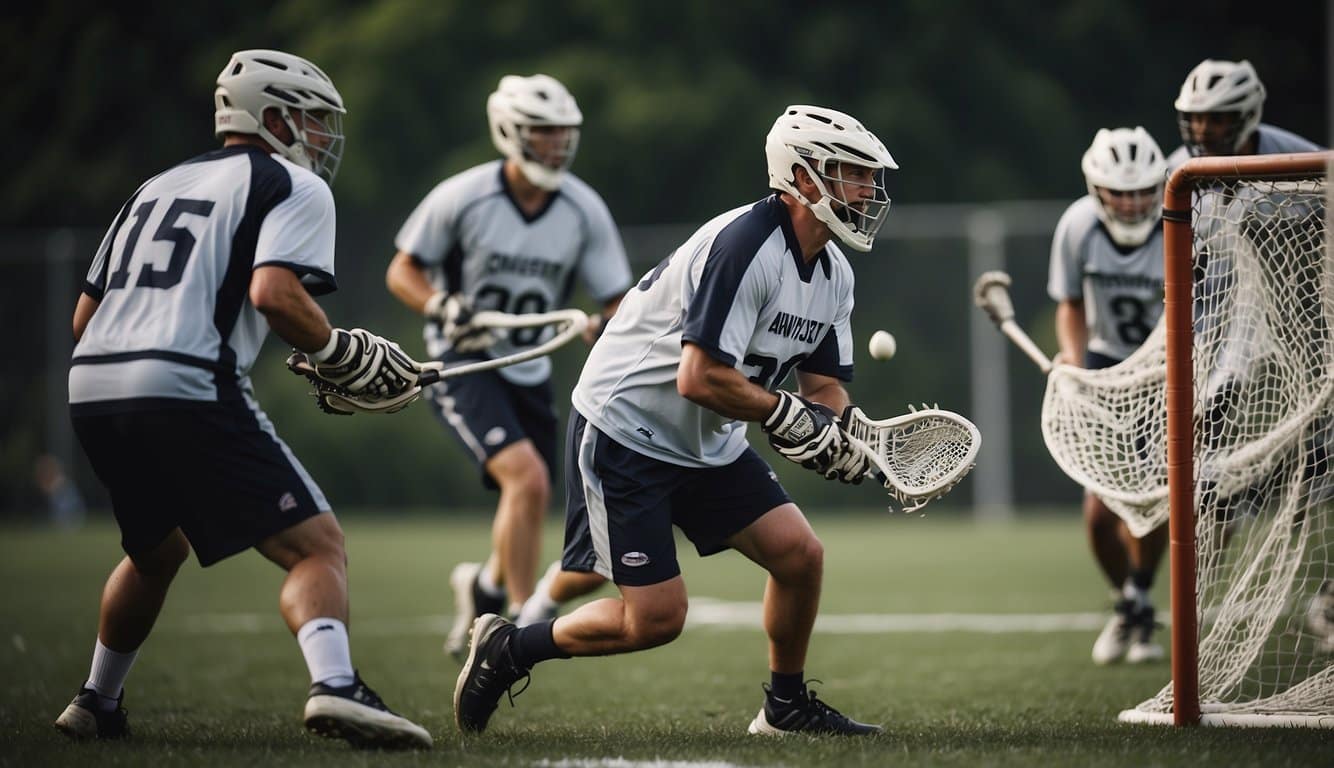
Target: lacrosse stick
x=569, y=324
x=991, y=293
x=334, y=399
x=918, y=456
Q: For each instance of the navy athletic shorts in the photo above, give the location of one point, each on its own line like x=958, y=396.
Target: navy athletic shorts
x=486, y=412
x=621, y=505
x=216, y=470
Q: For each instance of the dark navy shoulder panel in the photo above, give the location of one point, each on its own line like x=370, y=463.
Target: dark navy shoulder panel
x=733, y=250
x=270, y=184
x=824, y=360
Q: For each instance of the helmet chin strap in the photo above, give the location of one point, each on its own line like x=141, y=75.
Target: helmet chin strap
x=296, y=150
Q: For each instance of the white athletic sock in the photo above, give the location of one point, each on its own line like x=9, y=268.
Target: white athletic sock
x=1133, y=593
x=108, y=673
x=537, y=607
x=325, y=646
x=487, y=584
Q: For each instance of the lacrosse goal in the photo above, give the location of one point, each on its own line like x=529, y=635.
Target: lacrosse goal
x=1249, y=347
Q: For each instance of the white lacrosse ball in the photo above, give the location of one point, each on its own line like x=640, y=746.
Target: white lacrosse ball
x=882, y=345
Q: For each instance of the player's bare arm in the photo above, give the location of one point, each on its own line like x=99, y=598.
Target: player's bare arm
x=277, y=292
x=406, y=279
x=83, y=312
x=1071, y=331
x=825, y=390
x=721, y=388
x=599, y=321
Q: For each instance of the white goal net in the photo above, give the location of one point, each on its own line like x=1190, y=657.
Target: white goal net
x=1263, y=413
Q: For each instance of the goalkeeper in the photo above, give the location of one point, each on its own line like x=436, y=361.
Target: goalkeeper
x=701, y=346
x=1107, y=279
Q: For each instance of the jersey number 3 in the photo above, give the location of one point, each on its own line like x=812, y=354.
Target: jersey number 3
x=183, y=244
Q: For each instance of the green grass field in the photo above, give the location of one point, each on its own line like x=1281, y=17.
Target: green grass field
x=222, y=683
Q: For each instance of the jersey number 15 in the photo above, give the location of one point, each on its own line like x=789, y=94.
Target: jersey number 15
x=183, y=244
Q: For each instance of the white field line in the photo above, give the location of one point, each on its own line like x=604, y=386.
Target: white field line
x=705, y=613
x=620, y=762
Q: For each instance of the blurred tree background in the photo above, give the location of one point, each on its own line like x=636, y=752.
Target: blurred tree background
x=979, y=102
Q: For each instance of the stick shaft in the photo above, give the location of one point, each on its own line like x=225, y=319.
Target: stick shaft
x=1016, y=334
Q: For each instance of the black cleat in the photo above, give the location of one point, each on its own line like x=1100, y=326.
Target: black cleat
x=489, y=671
x=805, y=714
x=356, y=713
x=84, y=718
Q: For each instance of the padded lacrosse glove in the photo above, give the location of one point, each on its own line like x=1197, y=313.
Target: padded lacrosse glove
x=851, y=465
x=804, y=432
x=362, y=363
x=454, y=311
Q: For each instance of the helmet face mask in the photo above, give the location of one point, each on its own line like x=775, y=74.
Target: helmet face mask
x=547, y=151
x=855, y=195
x=1125, y=172
x=535, y=123
x=846, y=162
x=1224, y=101
x=305, y=99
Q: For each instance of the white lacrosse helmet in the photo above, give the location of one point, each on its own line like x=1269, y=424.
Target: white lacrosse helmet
x=521, y=104
x=1126, y=160
x=256, y=80
x=821, y=140
x=1221, y=86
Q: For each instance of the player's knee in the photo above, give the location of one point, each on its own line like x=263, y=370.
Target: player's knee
x=1098, y=517
x=804, y=560
x=528, y=478
x=659, y=626
x=165, y=559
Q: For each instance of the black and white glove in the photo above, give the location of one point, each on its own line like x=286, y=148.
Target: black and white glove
x=804, y=432
x=851, y=465
x=362, y=363
x=454, y=312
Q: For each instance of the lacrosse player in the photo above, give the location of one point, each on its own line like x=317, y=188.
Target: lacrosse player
x=1107, y=279
x=509, y=235
x=1218, y=113
x=697, y=350
x=200, y=263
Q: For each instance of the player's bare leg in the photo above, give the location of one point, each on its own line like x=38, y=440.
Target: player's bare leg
x=572, y=585
x=135, y=591
x=313, y=601
x=643, y=617
x=556, y=586
x=1104, y=535
x=783, y=543
x=313, y=554
x=516, y=534
x=131, y=601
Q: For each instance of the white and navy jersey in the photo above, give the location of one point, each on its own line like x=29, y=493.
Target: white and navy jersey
x=741, y=291
x=473, y=238
x=172, y=276
x=1271, y=140
x=1122, y=288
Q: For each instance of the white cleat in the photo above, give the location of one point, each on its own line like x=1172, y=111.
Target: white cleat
x=1114, y=640
x=461, y=581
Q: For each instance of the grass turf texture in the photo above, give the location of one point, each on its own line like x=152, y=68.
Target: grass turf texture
x=222, y=683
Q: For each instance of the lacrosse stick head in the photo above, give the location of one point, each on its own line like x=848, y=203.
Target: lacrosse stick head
x=920, y=455
x=991, y=292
